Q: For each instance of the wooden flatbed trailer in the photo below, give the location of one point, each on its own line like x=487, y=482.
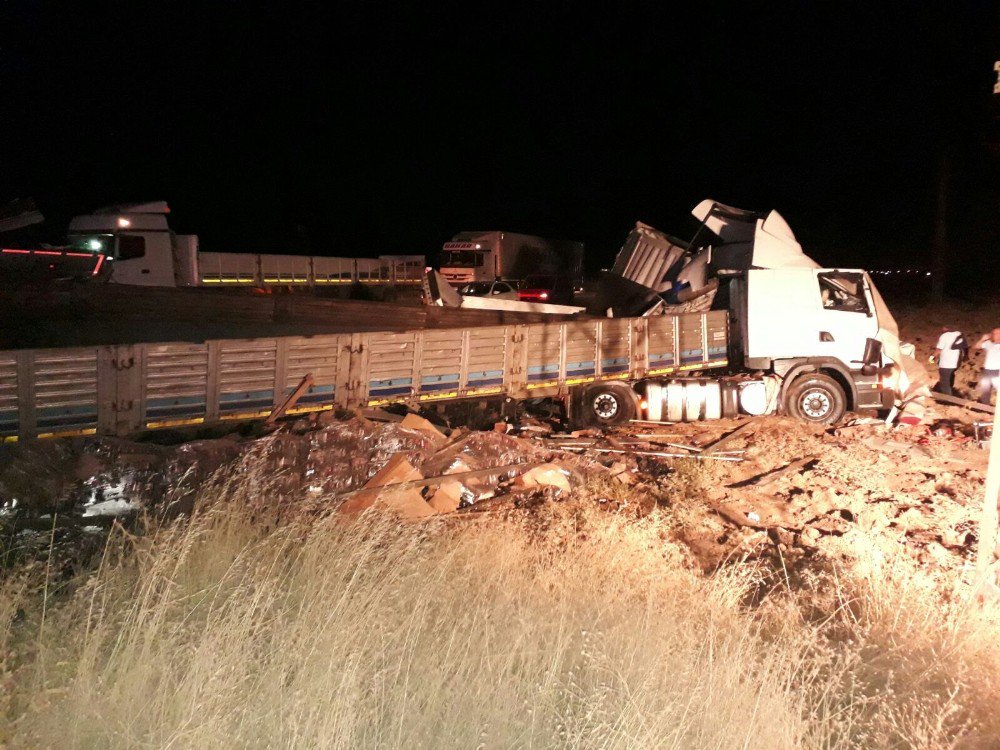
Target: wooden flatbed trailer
x=125, y=389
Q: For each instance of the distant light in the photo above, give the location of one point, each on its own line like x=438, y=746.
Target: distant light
x=95, y=244
x=123, y=222
x=428, y=269
x=479, y=247
x=544, y=295
x=927, y=274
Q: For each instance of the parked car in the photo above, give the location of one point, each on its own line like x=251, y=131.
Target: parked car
x=556, y=290
x=494, y=289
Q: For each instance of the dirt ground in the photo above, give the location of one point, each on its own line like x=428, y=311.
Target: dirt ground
x=782, y=490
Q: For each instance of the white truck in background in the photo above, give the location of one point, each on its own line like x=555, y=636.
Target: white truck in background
x=141, y=249
x=488, y=256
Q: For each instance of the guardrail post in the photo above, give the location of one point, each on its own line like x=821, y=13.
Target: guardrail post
x=212, y=382
x=26, y=414
x=280, y=369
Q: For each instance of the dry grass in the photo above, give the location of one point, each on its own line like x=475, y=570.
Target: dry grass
x=233, y=629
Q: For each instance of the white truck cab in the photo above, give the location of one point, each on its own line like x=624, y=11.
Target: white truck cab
x=140, y=246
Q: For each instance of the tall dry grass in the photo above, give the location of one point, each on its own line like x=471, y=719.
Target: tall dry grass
x=240, y=629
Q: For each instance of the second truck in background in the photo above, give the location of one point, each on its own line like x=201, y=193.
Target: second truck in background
x=487, y=256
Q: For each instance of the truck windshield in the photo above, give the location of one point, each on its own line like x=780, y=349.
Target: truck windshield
x=94, y=243
x=461, y=258
x=843, y=291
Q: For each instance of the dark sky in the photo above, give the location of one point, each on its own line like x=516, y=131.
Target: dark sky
x=375, y=128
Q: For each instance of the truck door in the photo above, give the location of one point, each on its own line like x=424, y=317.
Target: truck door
x=847, y=318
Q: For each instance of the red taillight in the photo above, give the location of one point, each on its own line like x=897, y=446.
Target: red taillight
x=531, y=295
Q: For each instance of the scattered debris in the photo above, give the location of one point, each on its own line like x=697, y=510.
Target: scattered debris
x=551, y=475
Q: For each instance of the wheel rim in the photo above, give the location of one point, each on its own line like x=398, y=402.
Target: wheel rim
x=816, y=403
x=605, y=406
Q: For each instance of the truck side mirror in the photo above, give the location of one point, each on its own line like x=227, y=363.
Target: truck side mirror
x=873, y=356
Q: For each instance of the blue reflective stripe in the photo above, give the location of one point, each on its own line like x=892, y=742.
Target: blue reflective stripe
x=180, y=406
x=49, y=416
x=716, y=350
x=389, y=382
x=668, y=357
x=312, y=389
x=316, y=398
x=487, y=381
x=532, y=369
x=246, y=396
x=452, y=378
x=388, y=391
x=479, y=374
x=439, y=386
x=64, y=410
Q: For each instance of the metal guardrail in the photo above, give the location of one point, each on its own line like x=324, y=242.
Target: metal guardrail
x=296, y=270
x=118, y=390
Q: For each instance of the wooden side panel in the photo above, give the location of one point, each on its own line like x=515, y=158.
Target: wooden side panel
x=10, y=417
x=64, y=390
x=580, y=358
x=321, y=356
x=391, y=373
x=544, y=343
x=175, y=384
x=615, y=359
x=663, y=356
x=246, y=377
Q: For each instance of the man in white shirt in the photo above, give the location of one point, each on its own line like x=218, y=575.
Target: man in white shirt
x=989, y=378
x=951, y=349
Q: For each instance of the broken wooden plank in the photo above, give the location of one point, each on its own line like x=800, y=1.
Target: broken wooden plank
x=379, y=415
x=416, y=422
x=657, y=454
x=769, y=478
x=289, y=402
x=725, y=440
x=396, y=473
x=956, y=401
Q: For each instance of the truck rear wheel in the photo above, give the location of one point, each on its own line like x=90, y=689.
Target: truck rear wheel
x=609, y=404
x=816, y=398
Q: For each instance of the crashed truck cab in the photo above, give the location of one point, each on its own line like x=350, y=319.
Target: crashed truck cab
x=801, y=340
x=817, y=335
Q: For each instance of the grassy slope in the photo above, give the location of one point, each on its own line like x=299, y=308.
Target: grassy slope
x=573, y=628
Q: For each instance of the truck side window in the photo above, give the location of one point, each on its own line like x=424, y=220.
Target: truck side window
x=844, y=292
x=131, y=246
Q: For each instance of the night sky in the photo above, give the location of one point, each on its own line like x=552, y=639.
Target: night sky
x=380, y=129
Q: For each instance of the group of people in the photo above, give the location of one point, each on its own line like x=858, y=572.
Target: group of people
x=952, y=349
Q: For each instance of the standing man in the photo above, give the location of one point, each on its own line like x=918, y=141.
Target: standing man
x=989, y=378
x=951, y=349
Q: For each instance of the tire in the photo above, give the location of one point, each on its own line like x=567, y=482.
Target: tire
x=816, y=398
x=609, y=405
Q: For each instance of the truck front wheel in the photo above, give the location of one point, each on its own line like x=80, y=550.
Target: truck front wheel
x=608, y=405
x=816, y=398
